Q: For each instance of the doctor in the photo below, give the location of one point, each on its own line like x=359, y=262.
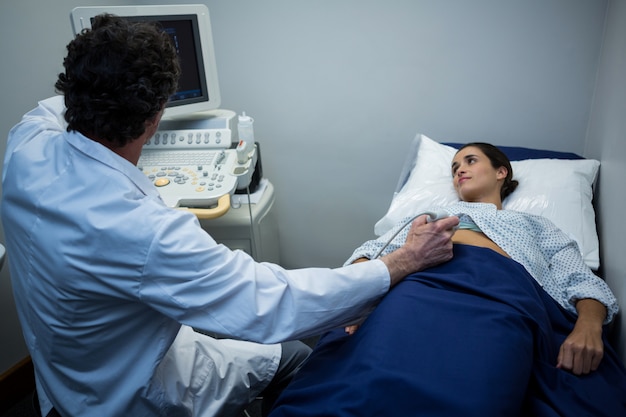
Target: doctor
x=109, y=282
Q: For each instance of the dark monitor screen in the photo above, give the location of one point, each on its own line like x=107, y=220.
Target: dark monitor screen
x=183, y=30
x=190, y=30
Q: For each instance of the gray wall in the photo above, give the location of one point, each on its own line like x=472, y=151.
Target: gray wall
x=606, y=141
x=339, y=88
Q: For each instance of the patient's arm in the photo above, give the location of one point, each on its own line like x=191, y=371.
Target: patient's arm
x=583, y=349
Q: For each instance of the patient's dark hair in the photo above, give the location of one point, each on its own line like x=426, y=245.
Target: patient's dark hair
x=498, y=159
x=118, y=75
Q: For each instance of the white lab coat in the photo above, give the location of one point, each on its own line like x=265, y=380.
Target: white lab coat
x=104, y=274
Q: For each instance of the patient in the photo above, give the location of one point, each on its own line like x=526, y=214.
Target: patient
x=513, y=325
x=481, y=173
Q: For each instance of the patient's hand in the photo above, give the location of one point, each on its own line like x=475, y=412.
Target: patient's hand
x=583, y=349
x=351, y=329
x=427, y=245
x=581, y=352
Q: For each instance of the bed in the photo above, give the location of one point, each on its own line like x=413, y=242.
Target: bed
x=476, y=336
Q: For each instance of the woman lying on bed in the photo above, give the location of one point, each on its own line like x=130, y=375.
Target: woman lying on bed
x=513, y=325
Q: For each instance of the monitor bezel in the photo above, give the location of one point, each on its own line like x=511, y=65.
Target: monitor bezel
x=81, y=19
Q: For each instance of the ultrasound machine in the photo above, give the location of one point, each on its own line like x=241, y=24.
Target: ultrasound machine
x=195, y=159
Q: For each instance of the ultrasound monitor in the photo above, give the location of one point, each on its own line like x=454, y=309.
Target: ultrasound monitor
x=190, y=29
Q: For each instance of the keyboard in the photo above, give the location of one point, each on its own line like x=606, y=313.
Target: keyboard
x=190, y=168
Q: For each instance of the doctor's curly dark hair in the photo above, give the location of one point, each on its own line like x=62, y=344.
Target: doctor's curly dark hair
x=118, y=75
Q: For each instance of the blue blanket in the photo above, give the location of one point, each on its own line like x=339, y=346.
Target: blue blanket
x=473, y=337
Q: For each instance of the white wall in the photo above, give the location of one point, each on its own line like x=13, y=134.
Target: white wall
x=338, y=89
x=606, y=141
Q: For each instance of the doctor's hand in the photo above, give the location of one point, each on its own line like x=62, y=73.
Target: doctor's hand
x=427, y=245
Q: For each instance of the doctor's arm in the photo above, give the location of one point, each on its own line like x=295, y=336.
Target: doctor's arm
x=426, y=245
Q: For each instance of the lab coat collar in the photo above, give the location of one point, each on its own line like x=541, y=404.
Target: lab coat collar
x=101, y=154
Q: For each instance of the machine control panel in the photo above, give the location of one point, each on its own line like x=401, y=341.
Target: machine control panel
x=189, y=139
x=195, y=167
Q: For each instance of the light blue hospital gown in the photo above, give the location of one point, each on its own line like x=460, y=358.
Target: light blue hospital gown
x=547, y=253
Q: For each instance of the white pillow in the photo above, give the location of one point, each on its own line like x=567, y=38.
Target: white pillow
x=559, y=189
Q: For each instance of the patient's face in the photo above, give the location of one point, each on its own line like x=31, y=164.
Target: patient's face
x=474, y=178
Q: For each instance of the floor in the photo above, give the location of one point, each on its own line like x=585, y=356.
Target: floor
x=23, y=408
